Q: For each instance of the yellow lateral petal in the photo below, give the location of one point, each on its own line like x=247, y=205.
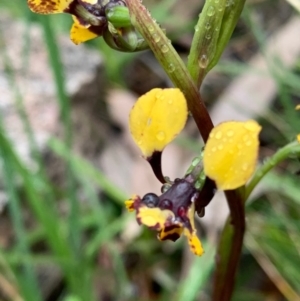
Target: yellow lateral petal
x=157, y=118
x=297, y=107
x=194, y=242
x=129, y=205
x=231, y=152
x=49, y=6
x=80, y=33
x=298, y=138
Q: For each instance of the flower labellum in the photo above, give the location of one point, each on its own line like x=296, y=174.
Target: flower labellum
x=230, y=153
x=170, y=214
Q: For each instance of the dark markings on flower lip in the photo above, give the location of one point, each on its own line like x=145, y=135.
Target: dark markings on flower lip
x=45, y=6
x=170, y=236
x=171, y=232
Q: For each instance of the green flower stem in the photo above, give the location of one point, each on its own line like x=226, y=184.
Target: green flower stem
x=172, y=64
x=292, y=148
x=212, y=32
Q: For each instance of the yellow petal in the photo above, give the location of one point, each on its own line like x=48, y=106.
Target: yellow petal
x=80, y=33
x=157, y=118
x=129, y=205
x=297, y=107
x=194, y=242
x=231, y=152
x=154, y=217
x=49, y=6
x=298, y=138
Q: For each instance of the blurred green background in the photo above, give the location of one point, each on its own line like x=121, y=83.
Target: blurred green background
x=64, y=232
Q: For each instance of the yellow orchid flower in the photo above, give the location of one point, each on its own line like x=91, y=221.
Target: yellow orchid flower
x=229, y=159
x=90, y=20
x=230, y=153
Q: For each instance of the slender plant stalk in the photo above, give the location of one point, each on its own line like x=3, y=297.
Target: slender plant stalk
x=230, y=248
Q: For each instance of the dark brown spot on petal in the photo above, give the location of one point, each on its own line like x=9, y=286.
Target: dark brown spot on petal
x=171, y=232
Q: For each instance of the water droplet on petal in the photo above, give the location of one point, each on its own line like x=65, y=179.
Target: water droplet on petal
x=219, y=135
x=246, y=138
x=220, y=147
x=140, y=142
x=149, y=121
x=161, y=136
x=245, y=166
x=214, y=149
x=248, y=143
x=210, y=11
x=230, y=133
